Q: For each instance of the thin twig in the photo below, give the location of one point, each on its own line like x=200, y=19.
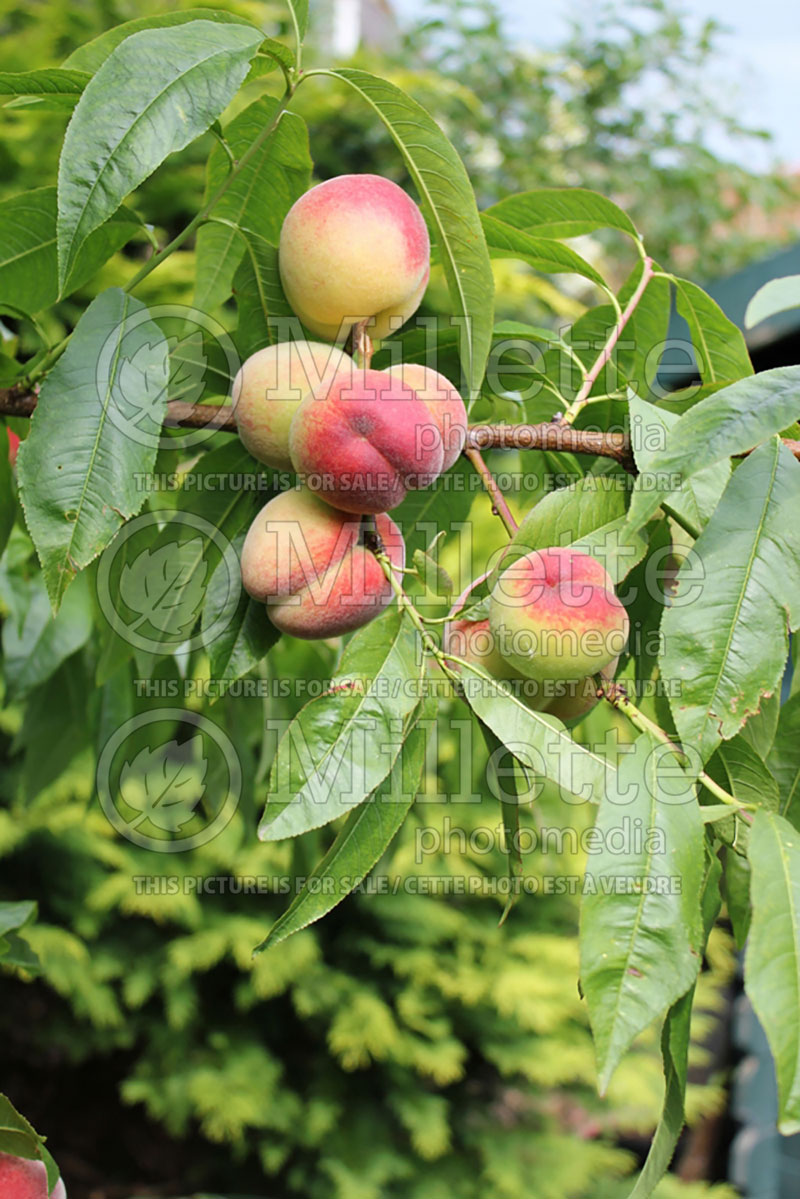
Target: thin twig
x=604, y=357
x=499, y=505
x=616, y=695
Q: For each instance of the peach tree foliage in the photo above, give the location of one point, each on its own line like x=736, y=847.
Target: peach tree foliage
x=715, y=488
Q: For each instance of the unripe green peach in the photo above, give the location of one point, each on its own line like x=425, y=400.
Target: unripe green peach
x=474, y=642
x=309, y=564
x=363, y=442
x=444, y=404
x=555, y=615
x=269, y=387
x=353, y=249
x=24, y=1179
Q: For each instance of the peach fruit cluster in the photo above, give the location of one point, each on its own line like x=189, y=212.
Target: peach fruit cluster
x=352, y=250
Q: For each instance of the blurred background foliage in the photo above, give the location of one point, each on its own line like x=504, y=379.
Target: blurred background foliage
x=406, y=1046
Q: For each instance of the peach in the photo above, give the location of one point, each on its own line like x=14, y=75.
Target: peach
x=442, y=401
x=268, y=389
x=24, y=1179
x=363, y=442
x=555, y=615
x=309, y=564
x=474, y=642
x=353, y=249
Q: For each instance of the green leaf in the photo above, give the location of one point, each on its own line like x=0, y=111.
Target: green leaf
x=360, y=843
x=165, y=784
x=8, y=499
x=28, y=259
x=772, y=962
x=740, y=770
x=91, y=56
x=731, y=421
x=259, y=297
x=699, y=495
x=725, y=638
x=543, y=254
x=14, y=916
x=448, y=203
x=562, y=212
x=52, y=81
x=246, y=635
x=258, y=199
x=77, y=467
x=641, y=926
x=33, y=653
x=19, y=1138
x=223, y=506
x=737, y=895
x=720, y=348
x=299, y=11
x=675, y=1039
x=540, y=743
x=675, y=1055
x=444, y=506
x=342, y=746
x=590, y=515
x=784, y=759
x=779, y=295
x=157, y=92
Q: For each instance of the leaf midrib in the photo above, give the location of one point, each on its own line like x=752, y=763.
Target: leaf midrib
x=216, y=53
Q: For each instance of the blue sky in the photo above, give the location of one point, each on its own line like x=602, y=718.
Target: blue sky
x=761, y=56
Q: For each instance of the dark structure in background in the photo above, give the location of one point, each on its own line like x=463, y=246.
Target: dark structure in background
x=774, y=342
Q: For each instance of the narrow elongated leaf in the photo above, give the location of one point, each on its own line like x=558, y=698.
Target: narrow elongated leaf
x=542, y=253
x=157, y=92
x=299, y=9
x=195, y=552
x=725, y=639
x=77, y=467
x=52, y=81
x=731, y=421
x=784, y=759
x=257, y=200
x=675, y=1038
x=246, y=635
x=259, y=297
x=739, y=769
x=91, y=56
x=19, y=1138
x=342, y=746
x=8, y=501
x=562, y=212
x=360, y=843
x=34, y=653
x=444, y=506
x=641, y=923
x=720, y=348
x=28, y=259
x=779, y=295
x=448, y=203
x=541, y=744
x=772, y=962
x=699, y=495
